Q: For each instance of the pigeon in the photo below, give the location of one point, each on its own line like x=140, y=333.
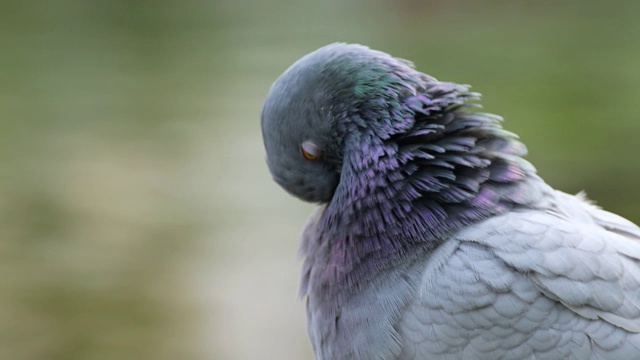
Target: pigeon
x=433, y=238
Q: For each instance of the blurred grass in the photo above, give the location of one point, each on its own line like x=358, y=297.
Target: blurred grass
x=137, y=217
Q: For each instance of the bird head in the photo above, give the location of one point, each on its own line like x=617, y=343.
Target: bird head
x=316, y=108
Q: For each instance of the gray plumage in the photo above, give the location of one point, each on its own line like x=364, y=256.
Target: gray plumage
x=434, y=238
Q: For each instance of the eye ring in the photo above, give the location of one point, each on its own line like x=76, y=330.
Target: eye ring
x=310, y=150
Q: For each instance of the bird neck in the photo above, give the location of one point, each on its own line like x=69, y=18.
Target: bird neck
x=381, y=218
x=408, y=191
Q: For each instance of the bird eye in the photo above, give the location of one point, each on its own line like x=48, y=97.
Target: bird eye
x=310, y=151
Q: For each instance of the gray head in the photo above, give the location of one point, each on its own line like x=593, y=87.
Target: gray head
x=306, y=116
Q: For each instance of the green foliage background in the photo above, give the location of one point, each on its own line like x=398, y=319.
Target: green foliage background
x=137, y=217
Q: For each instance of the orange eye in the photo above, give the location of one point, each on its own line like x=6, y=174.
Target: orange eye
x=310, y=151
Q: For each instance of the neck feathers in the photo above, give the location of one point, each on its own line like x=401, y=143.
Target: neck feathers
x=423, y=166
x=414, y=173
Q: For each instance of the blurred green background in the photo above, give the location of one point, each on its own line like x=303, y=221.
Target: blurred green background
x=137, y=217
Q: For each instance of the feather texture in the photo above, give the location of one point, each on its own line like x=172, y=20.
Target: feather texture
x=434, y=238
x=531, y=284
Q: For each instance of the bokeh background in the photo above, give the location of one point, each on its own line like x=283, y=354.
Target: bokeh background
x=137, y=217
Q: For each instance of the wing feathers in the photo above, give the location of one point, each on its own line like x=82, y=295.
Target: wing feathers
x=577, y=254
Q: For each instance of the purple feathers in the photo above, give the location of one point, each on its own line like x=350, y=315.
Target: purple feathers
x=439, y=167
x=406, y=160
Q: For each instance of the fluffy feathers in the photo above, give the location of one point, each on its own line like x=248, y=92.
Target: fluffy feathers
x=434, y=238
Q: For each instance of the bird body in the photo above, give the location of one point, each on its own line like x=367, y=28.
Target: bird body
x=557, y=283
x=434, y=238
